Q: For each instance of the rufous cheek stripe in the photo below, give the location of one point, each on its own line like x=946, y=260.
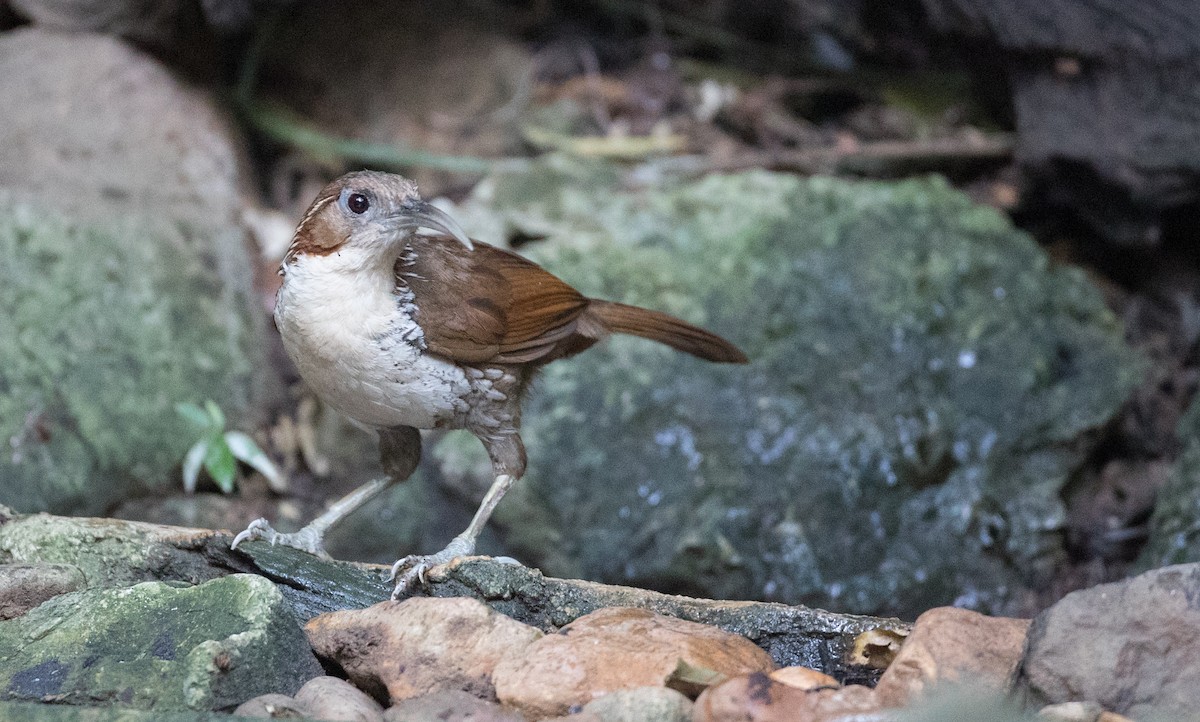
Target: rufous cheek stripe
x=298, y=243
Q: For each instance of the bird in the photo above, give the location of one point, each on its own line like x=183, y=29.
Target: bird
x=399, y=321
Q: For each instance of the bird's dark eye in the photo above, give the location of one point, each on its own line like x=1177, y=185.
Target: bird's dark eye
x=358, y=203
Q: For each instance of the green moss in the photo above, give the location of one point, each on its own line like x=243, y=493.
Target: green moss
x=157, y=646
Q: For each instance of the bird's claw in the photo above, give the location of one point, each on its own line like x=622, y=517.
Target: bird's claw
x=306, y=540
x=260, y=528
x=407, y=583
x=417, y=565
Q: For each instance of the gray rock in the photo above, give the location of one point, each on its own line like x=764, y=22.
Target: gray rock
x=335, y=699
x=449, y=706
x=126, y=280
x=24, y=586
x=114, y=553
x=921, y=386
x=641, y=704
x=157, y=646
x=1070, y=712
x=95, y=128
x=1132, y=646
x=166, y=25
x=957, y=703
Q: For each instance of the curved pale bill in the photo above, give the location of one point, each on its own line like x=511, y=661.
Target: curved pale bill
x=424, y=215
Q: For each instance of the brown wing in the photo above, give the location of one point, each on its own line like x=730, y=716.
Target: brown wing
x=490, y=305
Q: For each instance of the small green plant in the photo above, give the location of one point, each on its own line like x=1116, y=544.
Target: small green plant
x=218, y=450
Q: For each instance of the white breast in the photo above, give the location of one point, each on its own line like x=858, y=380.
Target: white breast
x=356, y=345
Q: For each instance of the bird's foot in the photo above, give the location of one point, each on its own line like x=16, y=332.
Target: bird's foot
x=414, y=566
x=307, y=539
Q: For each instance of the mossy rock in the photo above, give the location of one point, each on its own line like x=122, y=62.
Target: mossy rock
x=105, y=331
x=157, y=646
x=922, y=384
x=126, y=278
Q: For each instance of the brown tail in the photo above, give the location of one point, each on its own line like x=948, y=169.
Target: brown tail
x=679, y=335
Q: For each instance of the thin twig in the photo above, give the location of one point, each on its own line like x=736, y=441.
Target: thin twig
x=277, y=123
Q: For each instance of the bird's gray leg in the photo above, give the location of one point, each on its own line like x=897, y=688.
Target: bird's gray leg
x=508, y=464
x=399, y=451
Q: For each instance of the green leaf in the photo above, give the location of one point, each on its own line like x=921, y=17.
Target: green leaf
x=191, y=463
x=245, y=449
x=215, y=413
x=221, y=465
x=194, y=415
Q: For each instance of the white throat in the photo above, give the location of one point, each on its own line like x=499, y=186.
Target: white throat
x=352, y=335
x=351, y=288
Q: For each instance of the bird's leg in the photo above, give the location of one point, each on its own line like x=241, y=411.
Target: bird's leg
x=508, y=464
x=399, y=450
x=310, y=538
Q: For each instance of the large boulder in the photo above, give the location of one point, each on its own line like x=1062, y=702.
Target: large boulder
x=126, y=280
x=922, y=384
